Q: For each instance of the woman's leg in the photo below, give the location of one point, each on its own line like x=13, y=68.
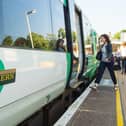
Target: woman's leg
x=124, y=65
x=101, y=70
x=111, y=71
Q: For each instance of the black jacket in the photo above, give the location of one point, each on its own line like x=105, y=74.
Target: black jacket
x=109, y=50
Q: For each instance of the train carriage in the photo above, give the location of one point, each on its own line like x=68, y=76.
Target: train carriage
x=32, y=73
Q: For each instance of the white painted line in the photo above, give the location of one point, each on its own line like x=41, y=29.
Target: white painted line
x=73, y=108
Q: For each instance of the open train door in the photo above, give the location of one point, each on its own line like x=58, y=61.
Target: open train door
x=75, y=47
x=78, y=49
x=79, y=41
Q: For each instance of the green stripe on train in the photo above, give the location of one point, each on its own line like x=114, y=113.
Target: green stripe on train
x=65, y=2
x=1, y=68
x=68, y=56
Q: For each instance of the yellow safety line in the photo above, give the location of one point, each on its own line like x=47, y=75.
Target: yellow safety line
x=119, y=115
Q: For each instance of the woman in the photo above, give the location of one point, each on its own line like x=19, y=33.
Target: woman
x=106, y=61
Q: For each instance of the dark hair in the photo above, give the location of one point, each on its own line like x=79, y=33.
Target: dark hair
x=106, y=38
x=58, y=42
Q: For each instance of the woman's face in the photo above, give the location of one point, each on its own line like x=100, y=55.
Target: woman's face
x=102, y=40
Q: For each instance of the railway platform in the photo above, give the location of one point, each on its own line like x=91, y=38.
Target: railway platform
x=104, y=107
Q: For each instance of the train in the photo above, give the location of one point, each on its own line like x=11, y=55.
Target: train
x=33, y=75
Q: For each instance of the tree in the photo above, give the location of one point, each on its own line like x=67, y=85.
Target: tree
x=21, y=42
x=74, y=36
x=116, y=35
x=124, y=30
x=88, y=40
x=7, y=41
x=52, y=41
x=61, y=33
x=39, y=41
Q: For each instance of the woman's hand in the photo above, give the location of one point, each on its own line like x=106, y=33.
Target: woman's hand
x=107, y=59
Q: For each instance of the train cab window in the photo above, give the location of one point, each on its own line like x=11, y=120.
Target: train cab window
x=58, y=23
x=26, y=23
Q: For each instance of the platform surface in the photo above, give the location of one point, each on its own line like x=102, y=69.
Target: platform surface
x=97, y=110
x=104, y=107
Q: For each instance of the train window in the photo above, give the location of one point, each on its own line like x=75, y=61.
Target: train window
x=26, y=23
x=58, y=24
x=88, y=38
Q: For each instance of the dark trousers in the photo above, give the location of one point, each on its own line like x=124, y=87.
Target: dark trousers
x=124, y=65
x=101, y=70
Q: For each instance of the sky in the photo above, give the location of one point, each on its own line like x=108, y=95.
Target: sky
x=105, y=16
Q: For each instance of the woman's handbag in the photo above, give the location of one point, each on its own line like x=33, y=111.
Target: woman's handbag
x=99, y=55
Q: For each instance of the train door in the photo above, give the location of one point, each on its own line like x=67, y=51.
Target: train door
x=87, y=42
x=78, y=51
x=90, y=42
x=79, y=41
x=74, y=35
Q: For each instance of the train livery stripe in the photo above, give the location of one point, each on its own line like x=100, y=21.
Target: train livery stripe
x=1, y=68
x=64, y=2
x=119, y=115
x=68, y=56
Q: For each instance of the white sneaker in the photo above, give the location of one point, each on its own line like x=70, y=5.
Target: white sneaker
x=116, y=87
x=94, y=87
